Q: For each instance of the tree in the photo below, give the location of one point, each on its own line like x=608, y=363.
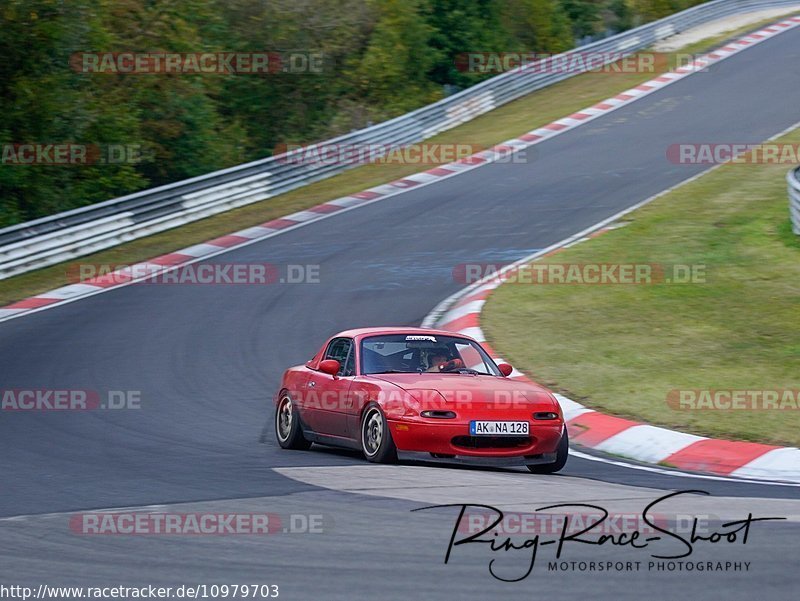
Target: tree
x=584, y=15
x=538, y=25
x=393, y=75
x=623, y=15
x=461, y=27
x=44, y=102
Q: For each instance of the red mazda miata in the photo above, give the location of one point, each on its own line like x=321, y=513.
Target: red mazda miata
x=384, y=390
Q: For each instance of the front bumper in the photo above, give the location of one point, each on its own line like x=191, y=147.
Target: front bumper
x=451, y=437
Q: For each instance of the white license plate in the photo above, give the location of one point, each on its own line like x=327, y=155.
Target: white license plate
x=490, y=428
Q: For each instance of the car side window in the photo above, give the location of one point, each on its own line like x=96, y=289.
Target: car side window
x=350, y=364
x=341, y=349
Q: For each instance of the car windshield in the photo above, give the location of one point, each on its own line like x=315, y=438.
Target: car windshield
x=424, y=353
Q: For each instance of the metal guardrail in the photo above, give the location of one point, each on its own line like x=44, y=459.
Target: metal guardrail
x=793, y=178
x=78, y=232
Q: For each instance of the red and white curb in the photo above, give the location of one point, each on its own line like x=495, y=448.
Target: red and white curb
x=198, y=252
x=589, y=428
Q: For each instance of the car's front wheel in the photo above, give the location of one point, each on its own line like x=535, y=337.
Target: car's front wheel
x=376, y=440
x=287, y=426
x=562, y=453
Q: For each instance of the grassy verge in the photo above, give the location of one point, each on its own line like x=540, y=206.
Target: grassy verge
x=506, y=122
x=622, y=348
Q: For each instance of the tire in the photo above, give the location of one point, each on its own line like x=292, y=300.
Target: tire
x=287, y=426
x=562, y=454
x=376, y=440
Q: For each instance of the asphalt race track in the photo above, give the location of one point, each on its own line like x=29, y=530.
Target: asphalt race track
x=207, y=360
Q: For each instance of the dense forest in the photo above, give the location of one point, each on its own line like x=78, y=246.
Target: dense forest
x=377, y=59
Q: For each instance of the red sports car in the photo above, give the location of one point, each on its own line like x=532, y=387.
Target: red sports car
x=384, y=390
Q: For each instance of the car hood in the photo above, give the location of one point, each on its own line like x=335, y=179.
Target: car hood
x=462, y=389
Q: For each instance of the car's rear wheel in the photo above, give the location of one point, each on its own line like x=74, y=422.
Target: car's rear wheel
x=562, y=454
x=376, y=440
x=287, y=426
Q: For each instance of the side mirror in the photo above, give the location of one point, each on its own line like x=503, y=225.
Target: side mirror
x=329, y=366
x=505, y=369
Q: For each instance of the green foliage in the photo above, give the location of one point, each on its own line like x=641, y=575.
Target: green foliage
x=43, y=101
x=584, y=15
x=650, y=10
x=540, y=25
x=392, y=76
x=380, y=58
x=461, y=26
x=622, y=15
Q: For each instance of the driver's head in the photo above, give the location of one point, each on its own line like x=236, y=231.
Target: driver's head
x=435, y=360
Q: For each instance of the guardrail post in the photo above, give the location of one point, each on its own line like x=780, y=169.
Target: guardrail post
x=793, y=178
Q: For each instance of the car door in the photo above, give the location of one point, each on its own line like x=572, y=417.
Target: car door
x=326, y=398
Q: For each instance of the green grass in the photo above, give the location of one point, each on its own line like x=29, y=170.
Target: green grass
x=508, y=121
x=621, y=349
